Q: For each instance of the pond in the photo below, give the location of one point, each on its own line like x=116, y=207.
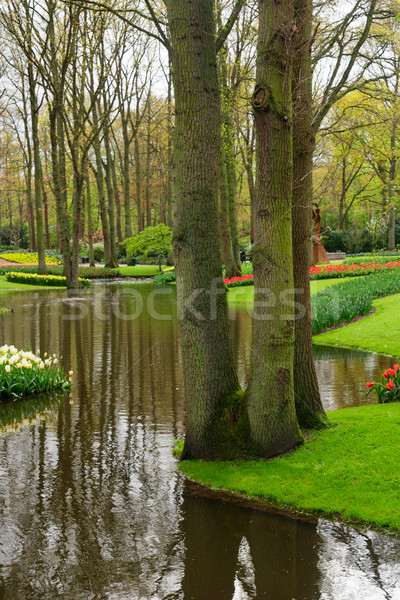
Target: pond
x=92, y=506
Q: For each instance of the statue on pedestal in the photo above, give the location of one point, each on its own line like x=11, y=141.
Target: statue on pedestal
x=319, y=252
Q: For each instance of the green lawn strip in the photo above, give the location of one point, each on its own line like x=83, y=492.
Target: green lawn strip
x=379, y=332
x=22, y=287
x=139, y=271
x=349, y=471
x=245, y=294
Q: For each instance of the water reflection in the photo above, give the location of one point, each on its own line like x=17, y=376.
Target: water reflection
x=92, y=506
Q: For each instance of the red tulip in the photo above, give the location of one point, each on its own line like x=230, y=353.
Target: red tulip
x=391, y=372
x=386, y=374
x=370, y=384
x=390, y=385
x=396, y=367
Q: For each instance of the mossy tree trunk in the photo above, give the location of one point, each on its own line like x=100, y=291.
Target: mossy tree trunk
x=271, y=407
x=215, y=411
x=309, y=409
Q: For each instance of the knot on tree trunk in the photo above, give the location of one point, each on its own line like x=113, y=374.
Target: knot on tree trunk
x=259, y=99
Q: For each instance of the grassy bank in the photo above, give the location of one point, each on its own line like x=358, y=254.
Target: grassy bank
x=379, y=332
x=348, y=472
x=245, y=294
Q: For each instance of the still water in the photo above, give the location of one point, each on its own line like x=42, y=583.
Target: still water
x=91, y=504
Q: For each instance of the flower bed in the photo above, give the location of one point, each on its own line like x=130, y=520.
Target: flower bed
x=326, y=272
x=25, y=373
x=86, y=272
x=34, y=279
x=388, y=389
x=27, y=257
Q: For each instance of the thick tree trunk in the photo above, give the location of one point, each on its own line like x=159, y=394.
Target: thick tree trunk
x=148, y=165
x=271, y=406
x=117, y=201
x=100, y=189
x=309, y=408
x=170, y=151
x=216, y=420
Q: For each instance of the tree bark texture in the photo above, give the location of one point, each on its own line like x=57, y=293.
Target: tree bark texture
x=307, y=397
x=271, y=406
x=216, y=420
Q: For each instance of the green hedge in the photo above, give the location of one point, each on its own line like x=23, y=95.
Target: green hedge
x=86, y=272
x=47, y=280
x=349, y=299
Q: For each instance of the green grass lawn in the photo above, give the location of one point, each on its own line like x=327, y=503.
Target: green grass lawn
x=140, y=271
x=378, y=333
x=245, y=294
x=349, y=471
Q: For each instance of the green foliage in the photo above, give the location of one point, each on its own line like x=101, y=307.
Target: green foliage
x=23, y=373
x=166, y=277
x=350, y=299
x=349, y=471
x=17, y=236
x=151, y=242
x=374, y=257
x=98, y=251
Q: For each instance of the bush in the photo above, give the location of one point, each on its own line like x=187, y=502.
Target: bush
x=98, y=251
x=18, y=236
x=24, y=373
x=47, y=280
x=166, y=277
x=152, y=242
x=350, y=299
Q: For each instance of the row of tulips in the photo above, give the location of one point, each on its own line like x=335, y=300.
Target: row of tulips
x=326, y=272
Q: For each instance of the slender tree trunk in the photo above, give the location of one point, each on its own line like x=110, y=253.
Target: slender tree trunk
x=148, y=165
x=126, y=178
x=40, y=244
x=391, y=186
x=170, y=151
x=113, y=263
x=138, y=187
x=89, y=220
x=271, y=406
x=117, y=200
x=46, y=215
x=215, y=413
x=224, y=221
x=309, y=410
x=100, y=189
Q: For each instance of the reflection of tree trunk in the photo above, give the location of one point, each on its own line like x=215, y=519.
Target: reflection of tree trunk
x=271, y=406
x=309, y=408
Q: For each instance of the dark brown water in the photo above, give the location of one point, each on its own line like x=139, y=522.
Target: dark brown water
x=91, y=504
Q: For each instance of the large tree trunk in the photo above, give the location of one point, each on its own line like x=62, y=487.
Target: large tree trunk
x=307, y=397
x=89, y=220
x=271, y=406
x=216, y=420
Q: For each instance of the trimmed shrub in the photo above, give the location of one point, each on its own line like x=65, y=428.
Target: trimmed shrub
x=47, y=280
